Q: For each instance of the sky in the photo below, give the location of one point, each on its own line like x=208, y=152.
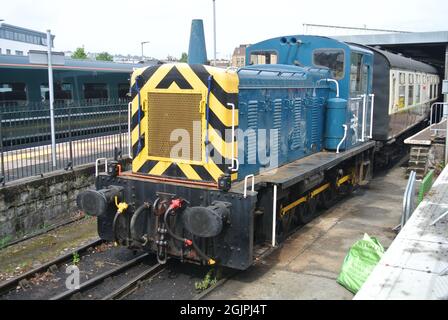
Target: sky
x=119, y=26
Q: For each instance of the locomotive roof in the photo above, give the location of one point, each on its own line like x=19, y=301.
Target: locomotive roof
x=12, y=61
x=401, y=62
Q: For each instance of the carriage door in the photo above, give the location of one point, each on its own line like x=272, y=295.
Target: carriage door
x=359, y=98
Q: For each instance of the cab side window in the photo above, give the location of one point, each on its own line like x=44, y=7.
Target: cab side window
x=331, y=59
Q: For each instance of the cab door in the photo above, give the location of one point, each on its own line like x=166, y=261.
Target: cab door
x=360, y=98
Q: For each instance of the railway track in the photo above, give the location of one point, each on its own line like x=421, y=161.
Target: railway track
x=17, y=282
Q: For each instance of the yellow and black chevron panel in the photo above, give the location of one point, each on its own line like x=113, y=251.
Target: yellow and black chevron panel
x=173, y=97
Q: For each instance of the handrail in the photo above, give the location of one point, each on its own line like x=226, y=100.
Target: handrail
x=246, y=180
x=333, y=81
x=372, y=107
x=235, y=163
x=343, y=139
x=436, y=104
x=364, y=111
x=129, y=131
x=408, y=199
x=97, y=163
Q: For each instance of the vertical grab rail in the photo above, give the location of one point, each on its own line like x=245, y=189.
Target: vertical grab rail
x=274, y=217
x=235, y=162
x=131, y=156
x=246, y=180
x=372, y=107
x=364, y=111
x=97, y=164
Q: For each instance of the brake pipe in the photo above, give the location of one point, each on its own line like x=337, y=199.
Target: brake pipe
x=177, y=204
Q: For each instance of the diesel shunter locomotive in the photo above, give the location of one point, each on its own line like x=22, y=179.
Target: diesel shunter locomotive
x=227, y=163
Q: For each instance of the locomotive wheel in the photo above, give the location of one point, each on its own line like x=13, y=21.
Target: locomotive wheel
x=285, y=225
x=307, y=212
x=327, y=198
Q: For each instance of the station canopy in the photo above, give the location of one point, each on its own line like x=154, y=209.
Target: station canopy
x=429, y=47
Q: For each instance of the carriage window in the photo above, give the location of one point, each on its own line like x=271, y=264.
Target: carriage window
x=402, y=78
x=62, y=92
x=95, y=91
x=332, y=59
x=411, y=95
x=417, y=93
x=358, y=74
x=13, y=92
x=402, y=90
x=266, y=57
x=123, y=90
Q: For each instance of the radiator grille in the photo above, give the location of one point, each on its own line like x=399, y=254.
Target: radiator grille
x=168, y=112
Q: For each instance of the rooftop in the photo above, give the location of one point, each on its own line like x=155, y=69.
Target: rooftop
x=20, y=34
x=429, y=47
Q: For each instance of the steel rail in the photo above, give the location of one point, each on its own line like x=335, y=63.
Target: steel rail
x=99, y=279
x=14, y=283
x=132, y=285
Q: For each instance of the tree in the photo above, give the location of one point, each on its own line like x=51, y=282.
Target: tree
x=104, y=56
x=184, y=57
x=79, y=54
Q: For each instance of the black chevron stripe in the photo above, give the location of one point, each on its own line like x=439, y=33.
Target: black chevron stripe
x=134, y=120
x=203, y=173
x=174, y=171
x=220, y=94
x=135, y=146
x=221, y=162
x=143, y=79
x=147, y=166
x=216, y=123
x=174, y=76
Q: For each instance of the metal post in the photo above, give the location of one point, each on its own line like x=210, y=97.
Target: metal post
x=214, y=32
x=446, y=71
x=50, y=87
x=445, y=114
x=143, y=53
x=1, y=150
x=274, y=216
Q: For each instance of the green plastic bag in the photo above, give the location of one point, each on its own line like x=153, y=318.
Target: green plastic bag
x=359, y=263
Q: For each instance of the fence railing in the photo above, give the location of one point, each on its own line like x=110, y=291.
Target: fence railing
x=409, y=199
x=84, y=132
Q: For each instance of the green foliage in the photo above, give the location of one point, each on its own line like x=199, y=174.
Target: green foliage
x=104, y=56
x=184, y=57
x=4, y=241
x=79, y=53
x=210, y=279
x=76, y=258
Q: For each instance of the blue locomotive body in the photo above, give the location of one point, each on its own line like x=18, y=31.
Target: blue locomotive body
x=352, y=68
x=281, y=115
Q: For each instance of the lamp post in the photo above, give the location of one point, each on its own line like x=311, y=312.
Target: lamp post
x=143, y=43
x=51, y=93
x=214, y=32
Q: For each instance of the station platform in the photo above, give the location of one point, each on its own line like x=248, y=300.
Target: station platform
x=427, y=136
x=416, y=264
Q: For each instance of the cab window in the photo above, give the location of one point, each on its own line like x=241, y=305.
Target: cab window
x=332, y=59
x=265, y=57
x=358, y=74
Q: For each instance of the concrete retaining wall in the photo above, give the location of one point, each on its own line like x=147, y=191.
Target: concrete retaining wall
x=30, y=205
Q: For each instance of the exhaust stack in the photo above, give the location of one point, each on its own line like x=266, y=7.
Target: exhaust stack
x=197, y=52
